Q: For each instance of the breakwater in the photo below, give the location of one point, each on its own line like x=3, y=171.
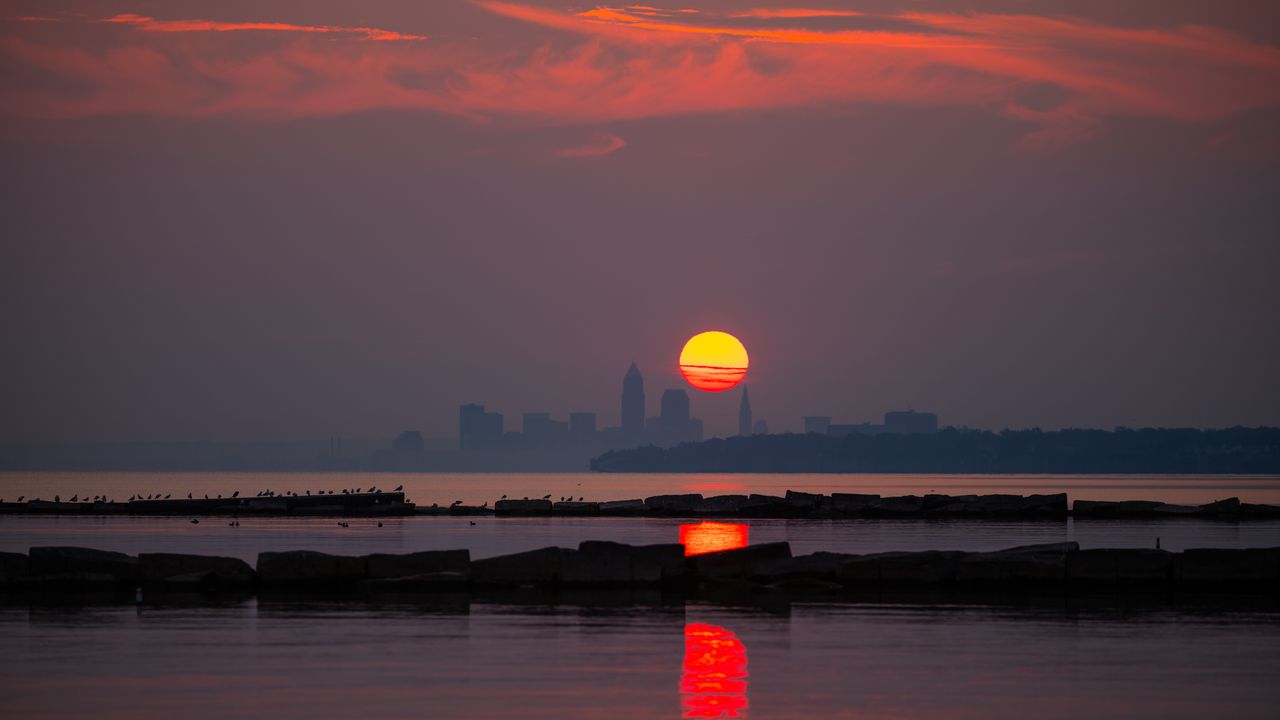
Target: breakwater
x=1061, y=568
x=794, y=504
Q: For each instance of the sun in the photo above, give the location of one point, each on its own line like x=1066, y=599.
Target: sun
x=713, y=361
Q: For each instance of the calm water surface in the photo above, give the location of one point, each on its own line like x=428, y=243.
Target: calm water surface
x=475, y=488
x=260, y=660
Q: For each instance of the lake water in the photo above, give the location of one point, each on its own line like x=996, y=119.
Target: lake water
x=327, y=660
x=453, y=657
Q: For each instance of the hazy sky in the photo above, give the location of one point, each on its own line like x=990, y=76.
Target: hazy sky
x=280, y=220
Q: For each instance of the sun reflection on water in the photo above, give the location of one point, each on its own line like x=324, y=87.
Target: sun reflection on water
x=714, y=679
x=705, y=537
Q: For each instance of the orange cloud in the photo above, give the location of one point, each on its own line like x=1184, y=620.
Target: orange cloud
x=788, y=13
x=600, y=144
x=169, y=26
x=1065, y=79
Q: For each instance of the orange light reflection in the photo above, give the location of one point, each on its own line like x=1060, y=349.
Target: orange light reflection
x=714, y=682
x=706, y=537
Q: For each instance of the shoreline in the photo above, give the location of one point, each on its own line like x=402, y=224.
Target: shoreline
x=792, y=505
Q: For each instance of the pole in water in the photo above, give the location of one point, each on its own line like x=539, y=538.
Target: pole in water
x=1157, y=542
x=137, y=596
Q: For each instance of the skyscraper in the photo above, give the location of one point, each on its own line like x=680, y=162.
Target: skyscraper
x=675, y=411
x=744, y=413
x=633, y=402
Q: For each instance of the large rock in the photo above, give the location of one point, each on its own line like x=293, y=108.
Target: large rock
x=1230, y=506
x=932, y=567
x=1110, y=508
x=221, y=571
x=896, y=506
x=672, y=504
x=57, y=560
x=1124, y=566
x=851, y=503
x=522, y=507
x=1050, y=505
x=304, y=567
x=1212, y=566
x=736, y=564
x=535, y=567
x=803, y=501
x=1041, y=564
x=13, y=566
x=601, y=563
x=622, y=507
x=762, y=506
x=720, y=505
x=382, y=565
x=569, y=507
x=444, y=581
x=819, y=566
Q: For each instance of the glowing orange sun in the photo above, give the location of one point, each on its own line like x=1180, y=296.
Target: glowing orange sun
x=713, y=361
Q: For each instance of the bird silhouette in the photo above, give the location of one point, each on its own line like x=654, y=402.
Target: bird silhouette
x=188, y=496
x=20, y=498
x=473, y=522
x=308, y=493
x=194, y=521
x=504, y=497
x=398, y=488
x=74, y=498
x=379, y=524
x=235, y=494
x=168, y=495
x=57, y=499
x=546, y=497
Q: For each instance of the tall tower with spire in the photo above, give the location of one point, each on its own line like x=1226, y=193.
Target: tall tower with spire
x=633, y=402
x=744, y=413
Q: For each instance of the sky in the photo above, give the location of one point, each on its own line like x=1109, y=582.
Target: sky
x=279, y=220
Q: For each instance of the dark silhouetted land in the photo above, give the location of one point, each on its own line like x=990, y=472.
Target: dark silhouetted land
x=1148, y=450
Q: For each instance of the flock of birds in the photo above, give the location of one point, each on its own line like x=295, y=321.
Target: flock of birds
x=139, y=497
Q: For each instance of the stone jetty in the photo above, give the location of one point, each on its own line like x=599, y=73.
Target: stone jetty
x=794, y=504
x=1058, y=568
x=342, y=504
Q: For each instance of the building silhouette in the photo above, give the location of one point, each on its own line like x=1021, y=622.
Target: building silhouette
x=633, y=402
x=540, y=430
x=817, y=424
x=744, y=413
x=582, y=425
x=760, y=428
x=478, y=429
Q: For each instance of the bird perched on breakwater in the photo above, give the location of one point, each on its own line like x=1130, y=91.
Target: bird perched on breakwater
x=74, y=498
x=546, y=497
x=504, y=497
x=399, y=488
x=188, y=496
x=235, y=494
x=21, y=497
x=57, y=498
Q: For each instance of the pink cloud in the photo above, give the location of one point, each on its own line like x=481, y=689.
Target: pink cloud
x=152, y=25
x=1064, y=78
x=599, y=145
